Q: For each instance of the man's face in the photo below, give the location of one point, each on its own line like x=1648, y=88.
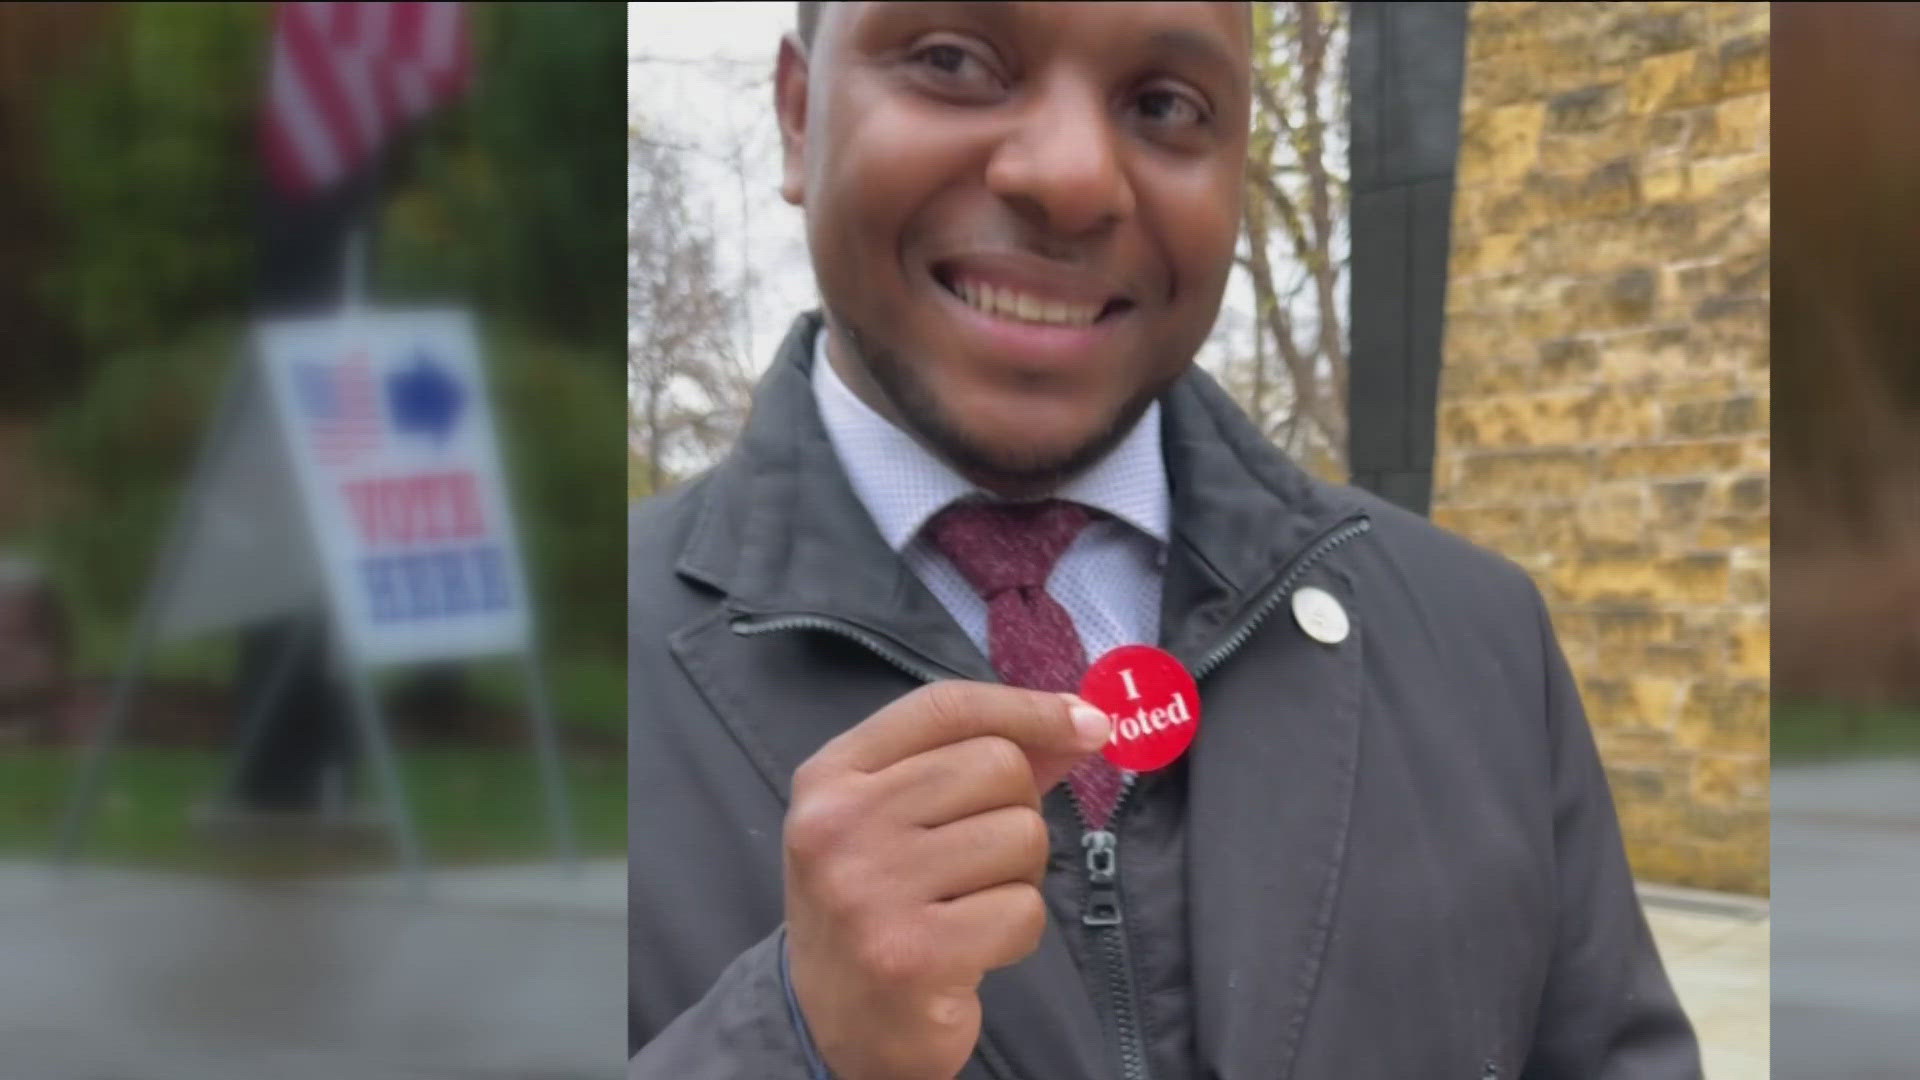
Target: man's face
x=1021, y=215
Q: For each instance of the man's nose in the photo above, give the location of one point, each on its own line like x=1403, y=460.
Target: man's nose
x=1061, y=165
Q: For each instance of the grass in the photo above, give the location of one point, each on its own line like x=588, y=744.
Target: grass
x=1808, y=731
x=589, y=691
x=471, y=807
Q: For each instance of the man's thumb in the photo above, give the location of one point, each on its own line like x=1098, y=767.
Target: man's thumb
x=1091, y=730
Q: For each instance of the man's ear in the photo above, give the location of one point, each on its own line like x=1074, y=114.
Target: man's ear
x=790, y=109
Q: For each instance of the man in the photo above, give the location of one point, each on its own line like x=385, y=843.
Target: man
x=870, y=838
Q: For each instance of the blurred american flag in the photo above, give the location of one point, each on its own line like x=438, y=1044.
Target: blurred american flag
x=345, y=77
x=341, y=406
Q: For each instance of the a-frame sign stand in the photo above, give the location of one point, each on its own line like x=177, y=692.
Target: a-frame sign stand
x=350, y=476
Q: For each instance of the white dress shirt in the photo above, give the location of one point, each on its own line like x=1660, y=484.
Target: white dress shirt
x=1109, y=579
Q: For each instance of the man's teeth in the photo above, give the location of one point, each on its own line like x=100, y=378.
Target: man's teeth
x=1008, y=304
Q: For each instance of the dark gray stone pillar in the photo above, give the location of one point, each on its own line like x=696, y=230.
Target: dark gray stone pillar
x=1406, y=67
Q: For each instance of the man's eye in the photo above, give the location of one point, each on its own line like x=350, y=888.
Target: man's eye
x=1170, y=107
x=952, y=63
x=947, y=58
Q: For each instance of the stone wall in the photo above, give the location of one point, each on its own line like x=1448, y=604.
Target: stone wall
x=1604, y=395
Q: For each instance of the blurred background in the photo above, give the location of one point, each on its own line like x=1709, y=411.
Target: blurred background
x=1505, y=264
x=1846, y=787
x=236, y=912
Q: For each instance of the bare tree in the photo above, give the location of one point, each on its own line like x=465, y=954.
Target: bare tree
x=739, y=144
x=1293, y=245
x=685, y=383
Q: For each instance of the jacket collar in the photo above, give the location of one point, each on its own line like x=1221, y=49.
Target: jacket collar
x=783, y=533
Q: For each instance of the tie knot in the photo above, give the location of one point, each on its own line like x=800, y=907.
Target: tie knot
x=1000, y=546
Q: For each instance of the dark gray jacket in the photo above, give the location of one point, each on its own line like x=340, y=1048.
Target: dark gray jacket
x=1402, y=856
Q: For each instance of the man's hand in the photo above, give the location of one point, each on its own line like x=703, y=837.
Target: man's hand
x=915, y=850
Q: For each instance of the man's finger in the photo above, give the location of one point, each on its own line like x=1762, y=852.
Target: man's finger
x=958, y=780
x=1052, y=766
x=1047, y=726
x=995, y=848
x=994, y=927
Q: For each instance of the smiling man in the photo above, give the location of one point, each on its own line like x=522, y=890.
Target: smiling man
x=1007, y=281
x=872, y=836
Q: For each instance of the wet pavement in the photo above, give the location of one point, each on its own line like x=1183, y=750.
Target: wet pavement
x=511, y=972
x=1846, y=885
x=1716, y=950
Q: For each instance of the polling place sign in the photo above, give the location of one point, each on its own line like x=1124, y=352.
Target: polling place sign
x=388, y=429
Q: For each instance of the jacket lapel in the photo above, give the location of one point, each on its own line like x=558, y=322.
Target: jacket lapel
x=1271, y=792
x=785, y=538
x=1272, y=772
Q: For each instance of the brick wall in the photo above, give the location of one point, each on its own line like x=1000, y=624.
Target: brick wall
x=1604, y=394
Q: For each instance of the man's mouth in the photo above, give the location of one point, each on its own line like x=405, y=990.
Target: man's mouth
x=1015, y=304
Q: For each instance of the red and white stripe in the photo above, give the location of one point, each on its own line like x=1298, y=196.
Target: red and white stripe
x=345, y=77
x=354, y=426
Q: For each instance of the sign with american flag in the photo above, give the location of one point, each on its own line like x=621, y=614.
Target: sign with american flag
x=344, y=78
x=386, y=424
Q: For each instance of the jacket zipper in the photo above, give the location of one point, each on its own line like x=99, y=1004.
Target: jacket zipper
x=1104, y=915
x=1325, y=546
x=1105, y=922
x=746, y=627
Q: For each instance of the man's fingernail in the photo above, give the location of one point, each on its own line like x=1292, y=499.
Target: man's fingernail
x=1089, y=723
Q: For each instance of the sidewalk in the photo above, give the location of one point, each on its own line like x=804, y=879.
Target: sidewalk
x=509, y=972
x=1717, y=950
x=1846, y=852
x=505, y=972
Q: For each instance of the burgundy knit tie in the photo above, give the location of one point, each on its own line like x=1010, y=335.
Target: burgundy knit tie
x=1006, y=551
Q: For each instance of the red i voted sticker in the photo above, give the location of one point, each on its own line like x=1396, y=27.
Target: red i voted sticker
x=1152, y=701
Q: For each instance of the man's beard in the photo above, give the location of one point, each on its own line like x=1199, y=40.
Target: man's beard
x=996, y=468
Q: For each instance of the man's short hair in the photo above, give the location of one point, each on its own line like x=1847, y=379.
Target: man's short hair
x=809, y=20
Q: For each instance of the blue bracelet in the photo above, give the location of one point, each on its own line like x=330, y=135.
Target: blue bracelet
x=816, y=1069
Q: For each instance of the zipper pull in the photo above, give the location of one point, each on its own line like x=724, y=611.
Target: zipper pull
x=1103, y=900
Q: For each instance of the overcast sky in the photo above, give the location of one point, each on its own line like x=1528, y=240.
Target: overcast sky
x=702, y=76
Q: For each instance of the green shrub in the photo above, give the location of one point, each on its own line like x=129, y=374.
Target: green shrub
x=152, y=168
x=120, y=455
x=562, y=422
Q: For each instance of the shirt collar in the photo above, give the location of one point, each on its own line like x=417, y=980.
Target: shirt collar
x=902, y=484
